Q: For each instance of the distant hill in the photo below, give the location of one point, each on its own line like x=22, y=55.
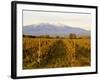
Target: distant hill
x=53, y=30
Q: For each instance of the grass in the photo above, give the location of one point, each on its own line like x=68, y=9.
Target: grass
x=55, y=53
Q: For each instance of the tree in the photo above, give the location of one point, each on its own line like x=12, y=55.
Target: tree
x=57, y=37
x=72, y=36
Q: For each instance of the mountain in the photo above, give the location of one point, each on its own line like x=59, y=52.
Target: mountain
x=52, y=30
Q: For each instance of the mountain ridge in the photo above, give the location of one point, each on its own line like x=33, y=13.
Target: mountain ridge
x=52, y=29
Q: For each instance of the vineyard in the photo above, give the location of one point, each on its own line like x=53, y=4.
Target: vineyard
x=55, y=53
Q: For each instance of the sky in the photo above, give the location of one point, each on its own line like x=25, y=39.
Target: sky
x=71, y=19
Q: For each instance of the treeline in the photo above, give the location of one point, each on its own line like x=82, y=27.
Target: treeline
x=42, y=36
x=70, y=36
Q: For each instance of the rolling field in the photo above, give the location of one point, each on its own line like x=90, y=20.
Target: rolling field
x=55, y=53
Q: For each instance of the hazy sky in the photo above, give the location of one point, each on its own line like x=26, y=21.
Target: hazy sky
x=70, y=19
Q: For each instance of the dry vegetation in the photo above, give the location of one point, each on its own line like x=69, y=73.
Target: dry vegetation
x=53, y=53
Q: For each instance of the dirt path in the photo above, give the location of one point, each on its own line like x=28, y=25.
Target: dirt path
x=57, y=56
